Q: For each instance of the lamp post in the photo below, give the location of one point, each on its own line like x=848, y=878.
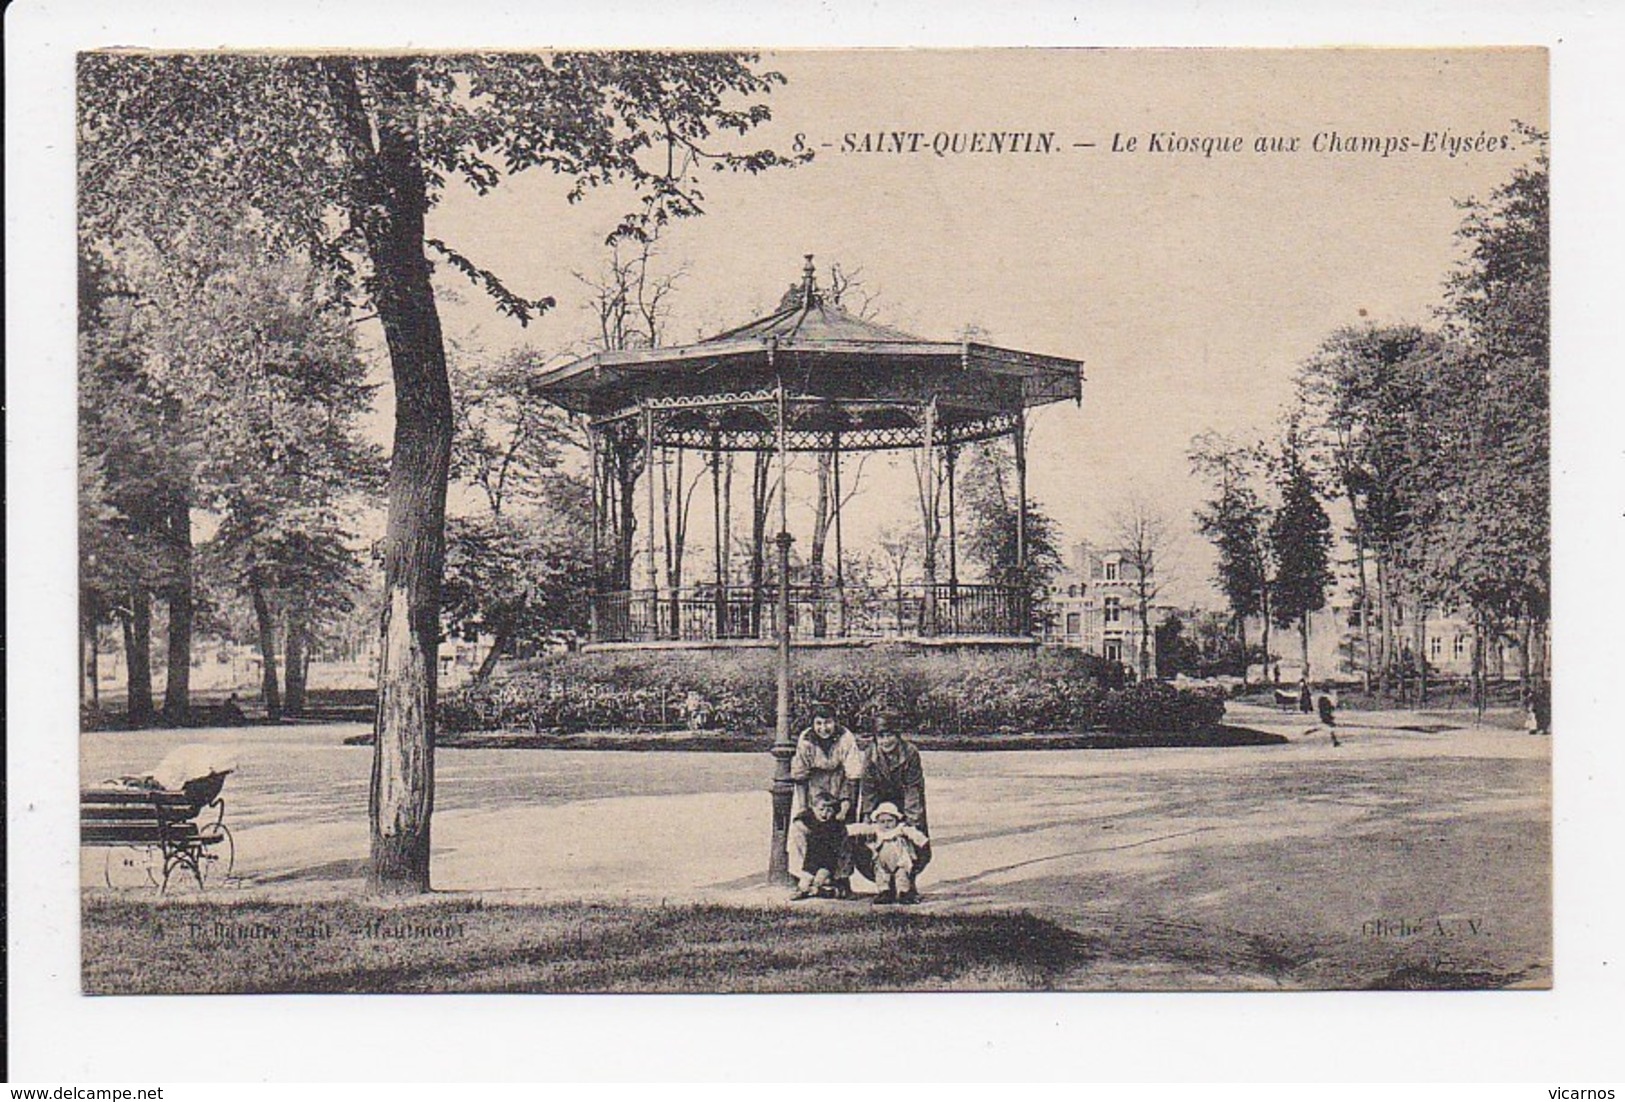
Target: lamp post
x=778, y=865
x=778, y=861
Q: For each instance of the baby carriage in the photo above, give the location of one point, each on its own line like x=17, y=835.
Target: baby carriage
x=155, y=823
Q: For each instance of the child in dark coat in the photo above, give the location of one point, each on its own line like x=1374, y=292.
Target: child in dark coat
x=827, y=865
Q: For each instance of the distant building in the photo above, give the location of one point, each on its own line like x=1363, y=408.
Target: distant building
x=1094, y=605
x=1337, y=645
x=218, y=665
x=1334, y=645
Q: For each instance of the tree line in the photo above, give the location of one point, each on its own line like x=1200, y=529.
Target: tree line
x=339, y=160
x=217, y=379
x=1435, y=441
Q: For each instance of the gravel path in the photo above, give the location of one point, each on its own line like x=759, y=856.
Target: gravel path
x=1403, y=858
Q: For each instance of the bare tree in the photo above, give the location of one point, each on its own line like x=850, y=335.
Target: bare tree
x=826, y=512
x=630, y=301
x=1143, y=536
x=727, y=524
x=762, y=488
x=677, y=500
x=629, y=297
x=505, y=441
x=848, y=291
x=899, y=547
x=929, y=478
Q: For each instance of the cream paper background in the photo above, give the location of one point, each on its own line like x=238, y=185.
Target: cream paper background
x=59, y=1035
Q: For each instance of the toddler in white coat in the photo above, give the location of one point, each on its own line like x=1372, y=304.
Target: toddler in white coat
x=895, y=846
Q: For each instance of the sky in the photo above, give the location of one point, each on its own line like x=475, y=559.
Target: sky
x=1191, y=274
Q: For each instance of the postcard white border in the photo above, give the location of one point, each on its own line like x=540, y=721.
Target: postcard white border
x=60, y=1036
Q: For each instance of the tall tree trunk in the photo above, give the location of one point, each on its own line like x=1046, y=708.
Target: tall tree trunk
x=1269, y=661
x=390, y=209
x=928, y=484
x=626, y=487
x=1303, y=636
x=266, y=624
x=178, y=597
x=1365, y=605
x=488, y=664
x=1145, y=634
x=138, y=657
x=1404, y=651
x=84, y=660
x=178, y=665
x=1480, y=687
x=727, y=518
x=668, y=530
x=609, y=534
x=676, y=530
x=296, y=659
x=760, y=495
x=1246, y=661
x=820, y=539
x=95, y=666
x=1385, y=658
x=1420, y=628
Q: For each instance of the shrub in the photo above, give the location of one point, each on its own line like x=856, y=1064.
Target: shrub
x=1157, y=706
x=941, y=693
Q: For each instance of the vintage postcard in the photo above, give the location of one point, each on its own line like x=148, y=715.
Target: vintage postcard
x=814, y=521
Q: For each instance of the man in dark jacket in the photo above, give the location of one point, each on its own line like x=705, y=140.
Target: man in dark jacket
x=892, y=775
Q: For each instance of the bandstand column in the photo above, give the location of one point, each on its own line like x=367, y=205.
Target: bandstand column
x=716, y=529
x=840, y=555
x=778, y=864
x=596, y=572
x=928, y=509
x=950, y=458
x=649, y=542
x=1023, y=622
x=673, y=602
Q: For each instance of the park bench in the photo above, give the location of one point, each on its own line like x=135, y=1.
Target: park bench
x=167, y=828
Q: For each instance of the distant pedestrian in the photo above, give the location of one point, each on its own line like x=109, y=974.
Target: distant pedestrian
x=230, y=713
x=1328, y=717
x=1541, y=706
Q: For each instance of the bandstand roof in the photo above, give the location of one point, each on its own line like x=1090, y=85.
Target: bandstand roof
x=849, y=382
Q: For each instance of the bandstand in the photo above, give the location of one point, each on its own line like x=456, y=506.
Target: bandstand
x=809, y=378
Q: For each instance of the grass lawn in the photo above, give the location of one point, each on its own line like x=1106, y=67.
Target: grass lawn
x=174, y=947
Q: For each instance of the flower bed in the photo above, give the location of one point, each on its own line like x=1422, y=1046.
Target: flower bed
x=927, y=694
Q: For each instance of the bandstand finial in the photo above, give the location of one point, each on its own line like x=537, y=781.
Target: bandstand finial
x=809, y=281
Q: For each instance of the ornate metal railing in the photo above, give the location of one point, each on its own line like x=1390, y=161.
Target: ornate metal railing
x=712, y=613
